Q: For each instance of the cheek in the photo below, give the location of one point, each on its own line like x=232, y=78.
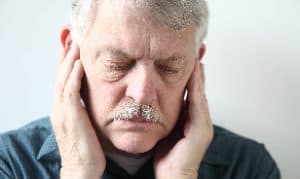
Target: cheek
x=102, y=97
x=173, y=98
x=171, y=103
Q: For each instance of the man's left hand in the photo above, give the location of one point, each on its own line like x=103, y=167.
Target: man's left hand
x=180, y=158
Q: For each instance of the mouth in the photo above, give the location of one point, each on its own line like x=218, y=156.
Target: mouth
x=138, y=120
x=136, y=125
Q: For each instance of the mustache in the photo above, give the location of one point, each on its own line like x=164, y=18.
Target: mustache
x=130, y=110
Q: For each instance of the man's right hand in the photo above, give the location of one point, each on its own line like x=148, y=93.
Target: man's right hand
x=81, y=153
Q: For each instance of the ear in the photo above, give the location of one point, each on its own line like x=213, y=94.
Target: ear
x=201, y=51
x=67, y=40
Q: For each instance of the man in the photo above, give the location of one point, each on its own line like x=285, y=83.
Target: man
x=119, y=108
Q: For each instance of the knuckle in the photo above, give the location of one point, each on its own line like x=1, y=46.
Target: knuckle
x=73, y=85
x=69, y=94
x=59, y=131
x=59, y=87
x=56, y=121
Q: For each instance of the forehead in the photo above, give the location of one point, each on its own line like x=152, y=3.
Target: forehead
x=118, y=26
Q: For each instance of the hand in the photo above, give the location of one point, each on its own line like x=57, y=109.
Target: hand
x=81, y=153
x=181, y=157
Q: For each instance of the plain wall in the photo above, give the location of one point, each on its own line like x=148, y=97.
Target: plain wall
x=252, y=68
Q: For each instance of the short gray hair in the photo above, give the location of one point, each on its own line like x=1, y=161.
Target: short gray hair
x=176, y=14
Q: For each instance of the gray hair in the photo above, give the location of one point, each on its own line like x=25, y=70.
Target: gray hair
x=176, y=14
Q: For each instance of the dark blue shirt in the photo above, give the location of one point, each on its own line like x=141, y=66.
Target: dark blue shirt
x=31, y=153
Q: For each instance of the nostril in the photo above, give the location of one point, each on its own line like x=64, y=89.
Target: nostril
x=141, y=92
x=140, y=84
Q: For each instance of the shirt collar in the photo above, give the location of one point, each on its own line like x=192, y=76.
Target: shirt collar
x=49, y=148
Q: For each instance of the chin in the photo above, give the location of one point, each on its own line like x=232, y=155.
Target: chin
x=135, y=143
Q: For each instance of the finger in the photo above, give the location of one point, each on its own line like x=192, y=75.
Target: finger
x=65, y=69
x=198, y=107
x=195, y=85
x=77, y=122
x=202, y=78
x=67, y=64
x=63, y=53
x=58, y=116
x=72, y=89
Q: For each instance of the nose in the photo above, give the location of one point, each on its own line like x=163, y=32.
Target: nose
x=141, y=85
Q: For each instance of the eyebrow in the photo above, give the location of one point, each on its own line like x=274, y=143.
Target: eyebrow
x=118, y=53
x=114, y=52
x=176, y=59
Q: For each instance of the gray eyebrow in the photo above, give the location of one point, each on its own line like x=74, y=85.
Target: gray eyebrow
x=176, y=59
x=118, y=53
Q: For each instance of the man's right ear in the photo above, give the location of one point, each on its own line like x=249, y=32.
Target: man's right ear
x=67, y=40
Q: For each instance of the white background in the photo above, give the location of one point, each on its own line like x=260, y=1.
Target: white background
x=252, y=66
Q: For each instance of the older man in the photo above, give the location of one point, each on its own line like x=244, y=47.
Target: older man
x=119, y=109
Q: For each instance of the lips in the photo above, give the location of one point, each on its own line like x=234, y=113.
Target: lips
x=138, y=119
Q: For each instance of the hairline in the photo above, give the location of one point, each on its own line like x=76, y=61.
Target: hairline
x=79, y=31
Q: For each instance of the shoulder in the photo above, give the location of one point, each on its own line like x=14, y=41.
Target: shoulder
x=236, y=156
x=20, y=150
x=29, y=137
x=229, y=141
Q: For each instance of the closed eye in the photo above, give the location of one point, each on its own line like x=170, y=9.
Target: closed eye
x=119, y=66
x=168, y=70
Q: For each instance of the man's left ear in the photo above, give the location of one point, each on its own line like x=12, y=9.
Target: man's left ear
x=201, y=51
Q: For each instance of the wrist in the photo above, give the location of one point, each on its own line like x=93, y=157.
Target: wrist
x=183, y=174
x=79, y=173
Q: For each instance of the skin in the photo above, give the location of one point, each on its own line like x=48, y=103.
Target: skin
x=159, y=65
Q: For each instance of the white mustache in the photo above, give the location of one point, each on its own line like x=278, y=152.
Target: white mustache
x=131, y=110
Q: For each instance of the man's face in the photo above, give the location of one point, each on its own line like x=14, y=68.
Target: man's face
x=130, y=58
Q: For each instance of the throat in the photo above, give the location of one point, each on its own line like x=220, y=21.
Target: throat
x=131, y=164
